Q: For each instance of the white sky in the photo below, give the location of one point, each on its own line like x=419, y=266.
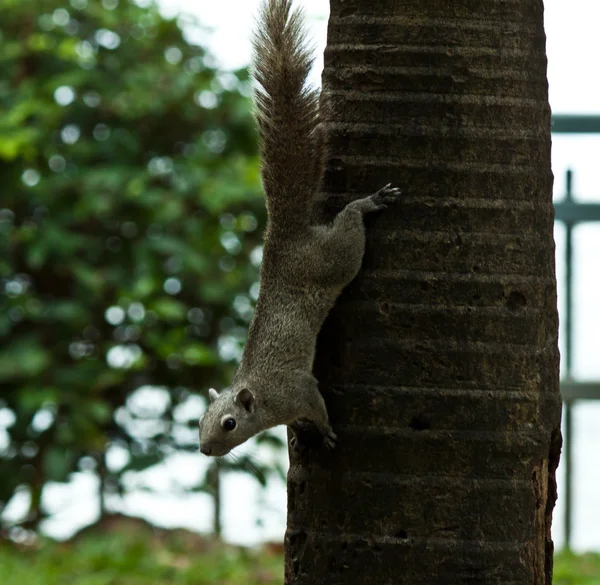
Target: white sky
x=571, y=27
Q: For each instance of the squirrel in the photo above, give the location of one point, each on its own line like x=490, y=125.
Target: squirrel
x=304, y=266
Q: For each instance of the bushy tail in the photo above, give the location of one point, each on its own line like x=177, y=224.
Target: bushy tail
x=287, y=111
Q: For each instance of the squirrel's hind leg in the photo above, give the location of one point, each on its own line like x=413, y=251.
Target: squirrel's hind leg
x=343, y=242
x=350, y=218
x=375, y=202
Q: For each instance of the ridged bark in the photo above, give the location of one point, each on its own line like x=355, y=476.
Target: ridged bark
x=439, y=364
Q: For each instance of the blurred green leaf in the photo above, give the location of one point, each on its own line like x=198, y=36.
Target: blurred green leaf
x=57, y=463
x=198, y=354
x=169, y=309
x=25, y=357
x=33, y=397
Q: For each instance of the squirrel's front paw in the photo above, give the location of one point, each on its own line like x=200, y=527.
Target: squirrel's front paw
x=330, y=439
x=308, y=435
x=296, y=445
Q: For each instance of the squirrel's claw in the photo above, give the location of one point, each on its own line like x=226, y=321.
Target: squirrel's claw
x=330, y=440
x=295, y=445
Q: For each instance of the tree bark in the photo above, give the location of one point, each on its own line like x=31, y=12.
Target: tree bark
x=439, y=364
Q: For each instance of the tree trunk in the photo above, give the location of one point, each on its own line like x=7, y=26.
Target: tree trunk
x=439, y=364
x=214, y=481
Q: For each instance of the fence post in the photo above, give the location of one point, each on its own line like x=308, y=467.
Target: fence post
x=568, y=405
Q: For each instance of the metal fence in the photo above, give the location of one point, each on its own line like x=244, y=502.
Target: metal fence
x=571, y=213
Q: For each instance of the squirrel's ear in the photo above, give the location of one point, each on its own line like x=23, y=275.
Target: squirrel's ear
x=246, y=399
x=212, y=394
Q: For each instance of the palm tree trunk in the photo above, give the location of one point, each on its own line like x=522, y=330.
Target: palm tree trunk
x=439, y=364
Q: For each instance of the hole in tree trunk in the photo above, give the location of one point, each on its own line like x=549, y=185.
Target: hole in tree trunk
x=516, y=300
x=419, y=423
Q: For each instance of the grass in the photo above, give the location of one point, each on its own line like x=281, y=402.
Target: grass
x=152, y=557
x=137, y=559
x=572, y=569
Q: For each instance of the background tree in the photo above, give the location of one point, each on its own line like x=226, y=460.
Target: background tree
x=130, y=220
x=440, y=363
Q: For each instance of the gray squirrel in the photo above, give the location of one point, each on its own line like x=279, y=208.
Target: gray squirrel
x=305, y=266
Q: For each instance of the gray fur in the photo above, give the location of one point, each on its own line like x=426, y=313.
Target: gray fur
x=305, y=267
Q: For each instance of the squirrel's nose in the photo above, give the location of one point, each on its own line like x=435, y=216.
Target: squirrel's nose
x=205, y=450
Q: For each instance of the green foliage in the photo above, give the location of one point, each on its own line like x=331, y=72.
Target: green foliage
x=138, y=560
x=180, y=558
x=572, y=569
x=130, y=205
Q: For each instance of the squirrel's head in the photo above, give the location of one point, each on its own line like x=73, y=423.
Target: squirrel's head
x=228, y=421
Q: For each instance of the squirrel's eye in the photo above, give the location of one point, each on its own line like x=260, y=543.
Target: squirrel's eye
x=229, y=424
